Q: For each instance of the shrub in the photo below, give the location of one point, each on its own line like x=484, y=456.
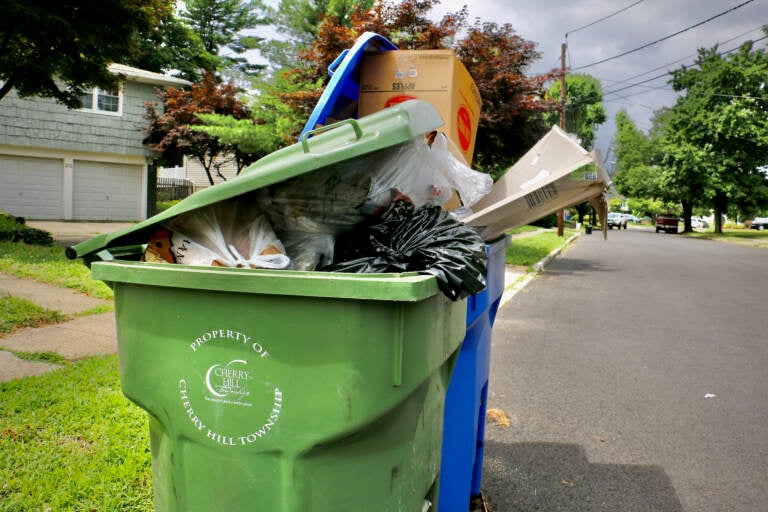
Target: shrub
x=548, y=221
x=14, y=229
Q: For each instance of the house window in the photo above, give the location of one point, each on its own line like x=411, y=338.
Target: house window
x=102, y=100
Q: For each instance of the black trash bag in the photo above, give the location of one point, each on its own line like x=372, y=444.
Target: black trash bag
x=425, y=239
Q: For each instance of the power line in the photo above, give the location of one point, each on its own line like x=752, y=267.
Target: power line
x=594, y=23
x=758, y=98
x=664, y=38
x=602, y=19
x=635, y=84
x=691, y=55
x=638, y=84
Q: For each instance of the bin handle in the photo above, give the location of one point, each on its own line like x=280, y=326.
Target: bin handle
x=306, y=135
x=335, y=64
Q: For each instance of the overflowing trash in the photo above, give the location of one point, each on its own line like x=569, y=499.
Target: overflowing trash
x=403, y=208
x=393, y=210
x=389, y=188
x=386, y=192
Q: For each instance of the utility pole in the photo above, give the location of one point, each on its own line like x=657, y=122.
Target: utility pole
x=560, y=213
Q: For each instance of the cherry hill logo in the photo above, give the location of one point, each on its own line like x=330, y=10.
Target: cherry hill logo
x=214, y=389
x=230, y=380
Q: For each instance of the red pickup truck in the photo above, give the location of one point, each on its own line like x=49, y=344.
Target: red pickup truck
x=667, y=223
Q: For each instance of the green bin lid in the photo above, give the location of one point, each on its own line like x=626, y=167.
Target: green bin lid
x=316, y=149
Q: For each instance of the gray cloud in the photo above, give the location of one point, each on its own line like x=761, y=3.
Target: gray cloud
x=546, y=23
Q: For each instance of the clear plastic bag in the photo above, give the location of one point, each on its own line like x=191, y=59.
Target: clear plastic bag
x=230, y=234
x=471, y=185
x=309, y=211
x=409, y=170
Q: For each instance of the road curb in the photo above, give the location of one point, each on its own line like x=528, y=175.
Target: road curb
x=546, y=260
x=520, y=281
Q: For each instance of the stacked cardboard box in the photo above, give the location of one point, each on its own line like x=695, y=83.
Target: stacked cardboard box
x=435, y=76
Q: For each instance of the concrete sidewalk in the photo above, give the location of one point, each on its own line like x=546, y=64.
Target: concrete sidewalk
x=79, y=337
x=74, y=232
x=90, y=335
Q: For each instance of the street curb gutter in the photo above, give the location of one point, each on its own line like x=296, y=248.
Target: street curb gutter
x=546, y=260
x=520, y=282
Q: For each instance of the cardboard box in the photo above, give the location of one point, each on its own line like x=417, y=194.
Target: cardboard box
x=436, y=76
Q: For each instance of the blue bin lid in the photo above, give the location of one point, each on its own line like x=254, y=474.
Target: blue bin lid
x=339, y=99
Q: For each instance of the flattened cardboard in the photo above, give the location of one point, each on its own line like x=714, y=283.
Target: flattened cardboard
x=556, y=173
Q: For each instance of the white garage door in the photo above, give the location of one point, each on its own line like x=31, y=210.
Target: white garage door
x=31, y=187
x=104, y=191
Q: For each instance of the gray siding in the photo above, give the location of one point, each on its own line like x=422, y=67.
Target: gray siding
x=43, y=123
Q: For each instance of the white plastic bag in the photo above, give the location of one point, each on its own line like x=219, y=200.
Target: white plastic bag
x=471, y=185
x=409, y=169
x=229, y=234
x=426, y=174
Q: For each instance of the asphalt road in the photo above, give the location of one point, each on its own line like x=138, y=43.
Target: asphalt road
x=635, y=374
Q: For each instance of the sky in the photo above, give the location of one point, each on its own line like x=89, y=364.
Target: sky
x=550, y=23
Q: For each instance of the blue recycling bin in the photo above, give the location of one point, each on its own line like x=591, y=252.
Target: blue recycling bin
x=461, y=465
x=464, y=418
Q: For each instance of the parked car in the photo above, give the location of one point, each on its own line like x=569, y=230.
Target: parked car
x=667, y=223
x=697, y=222
x=631, y=218
x=616, y=220
x=759, y=223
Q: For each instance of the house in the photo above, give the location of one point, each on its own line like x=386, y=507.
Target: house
x=191, y=169
x=85, y=164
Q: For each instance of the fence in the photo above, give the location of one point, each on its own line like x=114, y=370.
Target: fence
x=172, y=189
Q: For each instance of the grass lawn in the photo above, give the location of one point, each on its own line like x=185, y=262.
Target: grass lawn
x=751, y=237
x=49, y=265
x=71, y=441
x=527, y=251
x=16, y=313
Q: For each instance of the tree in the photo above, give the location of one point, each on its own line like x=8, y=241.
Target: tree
x=494, y=55
x=718, y=137
x=584, y=110
x=510, y=121
x=222, y=27
x=61, y=49
x=272, y=126
x=638, y=159
x=299, y=22
x=170, y=131
x=173, y=49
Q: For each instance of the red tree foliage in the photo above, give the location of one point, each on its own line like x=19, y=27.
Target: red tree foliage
x=510, y=120
x=169, y=132
x=495, y=56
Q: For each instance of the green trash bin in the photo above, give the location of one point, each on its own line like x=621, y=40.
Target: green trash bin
x=274, y=390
